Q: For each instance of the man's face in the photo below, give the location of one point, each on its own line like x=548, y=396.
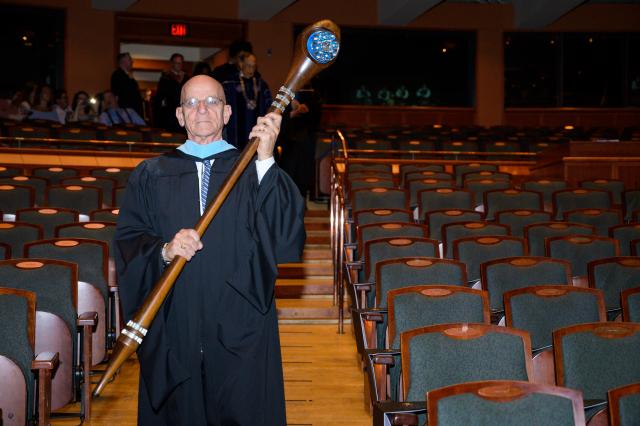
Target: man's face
x=203, y=121
x=248, y=66
x=176, y=64
x=127, y=63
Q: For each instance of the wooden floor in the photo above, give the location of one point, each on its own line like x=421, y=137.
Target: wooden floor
x=323, y=385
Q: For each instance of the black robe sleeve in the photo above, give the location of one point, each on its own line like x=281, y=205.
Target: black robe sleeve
x=278, y=236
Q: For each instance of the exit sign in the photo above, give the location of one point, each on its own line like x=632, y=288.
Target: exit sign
x=179, y=30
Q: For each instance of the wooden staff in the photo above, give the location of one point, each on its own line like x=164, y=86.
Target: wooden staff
x=316, y=48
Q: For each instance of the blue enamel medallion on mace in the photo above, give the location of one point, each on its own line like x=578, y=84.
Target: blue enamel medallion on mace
x=322, y=46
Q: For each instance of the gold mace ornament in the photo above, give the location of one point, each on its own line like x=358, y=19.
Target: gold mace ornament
x=316, y=48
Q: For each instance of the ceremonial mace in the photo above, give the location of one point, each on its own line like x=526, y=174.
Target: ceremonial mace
x=316, y=48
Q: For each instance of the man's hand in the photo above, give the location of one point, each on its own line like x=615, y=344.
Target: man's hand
x=267, y=129
x=185, y=243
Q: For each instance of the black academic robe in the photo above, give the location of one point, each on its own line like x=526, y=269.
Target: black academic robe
x=242, y=118
x=125, y=87
x=212, y=354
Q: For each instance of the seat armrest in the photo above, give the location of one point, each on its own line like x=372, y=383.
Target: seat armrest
x=88, y=318
x=373, y=314
x=398, y=413
x=45, y=361
x=363, y=286
x=356, y=264
x=351, y=245
x=382, y=356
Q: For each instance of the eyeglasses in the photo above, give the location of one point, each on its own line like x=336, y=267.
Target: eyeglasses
x=209, y=101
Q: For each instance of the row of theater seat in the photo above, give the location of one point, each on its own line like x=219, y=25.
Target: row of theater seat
x=419, y=326
x=58, y=290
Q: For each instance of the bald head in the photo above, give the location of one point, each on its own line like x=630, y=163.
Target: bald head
x=202, y=83
x=203, y=118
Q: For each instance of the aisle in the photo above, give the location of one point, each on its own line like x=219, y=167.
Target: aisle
x=323, y=386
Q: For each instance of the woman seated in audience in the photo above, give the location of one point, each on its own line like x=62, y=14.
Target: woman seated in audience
x=14, y=107
x=42, y=107
x=61, y=105
x=82, y=109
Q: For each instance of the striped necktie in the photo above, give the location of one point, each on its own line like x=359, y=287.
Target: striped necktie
x=206, y=171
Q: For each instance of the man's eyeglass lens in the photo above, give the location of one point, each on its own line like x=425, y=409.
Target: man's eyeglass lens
x=209, y=101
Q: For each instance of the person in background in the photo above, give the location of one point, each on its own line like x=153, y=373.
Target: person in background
x=42, y=107
x=249, y=97
x=61, y=105
x=82, y=108
x=201, y=68
x=229, y=71
x=167, y=97
x=113, y=114
x=124, y=86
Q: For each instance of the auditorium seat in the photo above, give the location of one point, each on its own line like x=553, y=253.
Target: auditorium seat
x=600, y=219
x=48, y=218
x=460, y=169
x=631, y=204
x=475, y=250
x=456, y=230
x=437, y=219
x=537, y=233
x=104, y=215
x=486, y=174
x=83, y=198
x=579, y=250
x=510, y=273
x=388, y=229
x=583, y=357
x=625, y=234
x=107, y=185
x=25, y=397
x=57, y=323
x=17, y=234
x=624, y=405
x=54, y=174
x=444, y=199
x=479, y=187
x=378, y=198
x=581, y=198
x=546, y=187
x=630, y=301
x=8, y=171
x=38, y=185
x=614, y=186
x=501, y=402
x=613, y=275
x=518, y=219
x=120, y=175
x=13, y=198
x=541, y=309
x=496, y=201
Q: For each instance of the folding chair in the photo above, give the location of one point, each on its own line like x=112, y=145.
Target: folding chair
x=579, y=250
x=378, y=198
x=416, y=185
x=614, y=186
x=57, y=324
x=479, y=186
x=625, y=234
x=456, y=230
x=504, y=402
x=14, y=198
x=474, y=251
x=630, y=301
x=107, y=185
x=447, y=354
x=510, y=199
x=546, y=187
x=518, y=219
x=94, y=294
x=47, y=218
x=630, y=203
x=54, y=174
x=460, y=169
x=613, y=275
x=543, y=308
x=83, y=198
x=600, y=219
x=624, y=405
x=9, y=171
x=537, y=233
x=581, y=198
x=120, y=175
x=17, y=234
x=38, y=185
x=104, y=215
x=444, y=199
x=583, y=357
x=437, y=219
x=510, y=273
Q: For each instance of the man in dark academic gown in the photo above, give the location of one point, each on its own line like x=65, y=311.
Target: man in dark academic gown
x=212, y=354
x=125, y=87
x=249, y=97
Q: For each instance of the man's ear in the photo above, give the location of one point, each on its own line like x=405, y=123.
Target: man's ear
x=226, y=113
x=180, y=116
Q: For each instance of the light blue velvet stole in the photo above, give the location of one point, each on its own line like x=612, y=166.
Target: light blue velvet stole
x=204, y=151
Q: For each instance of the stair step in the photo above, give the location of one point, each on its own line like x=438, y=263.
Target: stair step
x=321, y=268
x=316, y=226
x=317, y=213
x=306, y=309
x=300, y=288
x=316, y=254
x=318, y=237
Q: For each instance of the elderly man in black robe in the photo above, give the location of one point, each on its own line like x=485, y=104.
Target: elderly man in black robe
x=212, y=354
